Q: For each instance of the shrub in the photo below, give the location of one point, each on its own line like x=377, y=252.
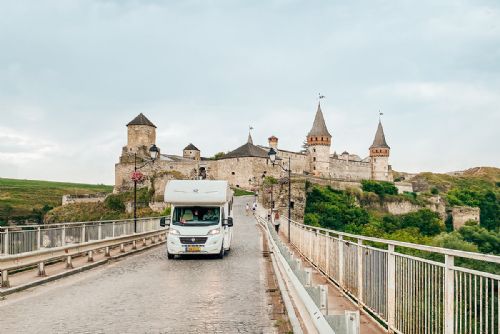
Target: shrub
x=333, y=209
x=115, y=203
x=380, y=188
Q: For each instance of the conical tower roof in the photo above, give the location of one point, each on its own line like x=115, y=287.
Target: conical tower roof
x=319, y=126
x=247, y=150
x=379, y=140
x=141, y=120
x=250, y=140
x=190, y=147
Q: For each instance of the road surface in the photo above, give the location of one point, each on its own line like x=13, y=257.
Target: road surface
x=147, y=293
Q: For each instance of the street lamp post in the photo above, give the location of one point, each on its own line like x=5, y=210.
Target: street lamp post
x=154, y=153
x=272, y=157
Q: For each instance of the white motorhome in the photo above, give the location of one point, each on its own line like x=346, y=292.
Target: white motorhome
x=201, y=221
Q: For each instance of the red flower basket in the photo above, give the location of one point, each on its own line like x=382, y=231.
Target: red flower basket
x=137, y=176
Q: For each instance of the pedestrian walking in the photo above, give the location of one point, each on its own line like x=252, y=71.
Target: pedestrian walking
x=247, y=209
x=254, y=207
x=277, y=221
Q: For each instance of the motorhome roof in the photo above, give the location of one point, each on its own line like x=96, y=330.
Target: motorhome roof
x=197, y=192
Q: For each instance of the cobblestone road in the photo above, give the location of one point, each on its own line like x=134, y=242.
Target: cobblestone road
x=147, y=293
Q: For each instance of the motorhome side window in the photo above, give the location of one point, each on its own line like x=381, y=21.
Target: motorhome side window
x=196, y=215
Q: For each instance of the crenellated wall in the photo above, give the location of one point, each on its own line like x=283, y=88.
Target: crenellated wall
x=349, y=170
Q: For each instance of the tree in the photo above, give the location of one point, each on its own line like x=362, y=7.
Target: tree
x=305, y=146
x=218, y=155
x=115, y=203
x=486, y=241
x=380, y=188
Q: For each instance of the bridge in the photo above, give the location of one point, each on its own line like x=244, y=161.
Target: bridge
x=323, y=281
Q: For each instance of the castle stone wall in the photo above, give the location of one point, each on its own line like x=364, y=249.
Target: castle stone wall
x=140, y=135
x=462, y=214
x=380, y=169
x=349, y=170
x=238, y=171
x=319, y=160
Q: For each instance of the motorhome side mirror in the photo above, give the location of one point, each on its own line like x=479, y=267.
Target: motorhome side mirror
x=230, y=221
x=162, y=221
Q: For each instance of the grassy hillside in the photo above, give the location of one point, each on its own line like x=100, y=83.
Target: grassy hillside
x=478, y=178
x=21, y=199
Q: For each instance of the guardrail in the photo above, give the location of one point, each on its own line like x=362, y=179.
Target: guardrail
x=409, y=294
x=31, y=238
x=35, y=245
x=314, y=298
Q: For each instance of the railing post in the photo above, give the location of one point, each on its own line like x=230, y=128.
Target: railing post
x=341, y=261
x=63, y=236
x=449, y=292
x=41, y=269
x=122, y=248
x=5, y=279
x=311, y=245
x=83, y=233
x=134, y=244
x=391, y=289
x=69, y=262
x=308, y=272
x=360, y=272
x=107, y=252
x=301, y=234
x=314, y=242
x=113, y=225
x=90, y=256
x=327, y=255
x=323, y=299
x=6, y=242
x=99, y=232
x=38, y=238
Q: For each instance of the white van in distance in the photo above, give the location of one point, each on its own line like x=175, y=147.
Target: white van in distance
x=201, y=221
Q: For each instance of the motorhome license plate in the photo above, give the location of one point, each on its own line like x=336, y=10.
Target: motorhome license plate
x=193, y=249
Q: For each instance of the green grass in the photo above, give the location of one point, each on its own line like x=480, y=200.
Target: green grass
x=18, y=198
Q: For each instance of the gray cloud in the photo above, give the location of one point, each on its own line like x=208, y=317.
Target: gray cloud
x=73, y=73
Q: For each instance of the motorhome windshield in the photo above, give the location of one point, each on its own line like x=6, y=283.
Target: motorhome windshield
x=196, y=216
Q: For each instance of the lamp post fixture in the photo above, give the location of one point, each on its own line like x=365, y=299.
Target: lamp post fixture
x=154, y=153
x=272, y=157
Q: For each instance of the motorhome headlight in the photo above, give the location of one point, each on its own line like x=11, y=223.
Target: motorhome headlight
x=215, y=231
x=173, y=231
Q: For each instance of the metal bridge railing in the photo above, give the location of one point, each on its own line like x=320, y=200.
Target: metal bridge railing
x=31, y=238
x=409, y=294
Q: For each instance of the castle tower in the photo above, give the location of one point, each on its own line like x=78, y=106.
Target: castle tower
x=141, y=132
x=319, y=141
x=273, y=142
x=191, y=152
x=379, y=154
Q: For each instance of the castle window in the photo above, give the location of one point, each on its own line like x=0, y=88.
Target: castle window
x=316, y=138
x=232, y=173
x=314, y=158
x=314, y=150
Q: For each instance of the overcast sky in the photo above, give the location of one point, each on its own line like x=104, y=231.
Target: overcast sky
x=73, y=73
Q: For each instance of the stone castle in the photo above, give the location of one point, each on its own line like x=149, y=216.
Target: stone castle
x=246, y=166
